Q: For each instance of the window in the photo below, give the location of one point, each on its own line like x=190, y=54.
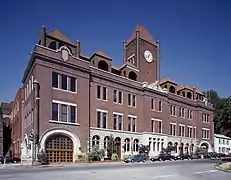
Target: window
x=55, y=112
x=55, y=80
x=173, y=110
x=173, y=129
x=101, y=93
x=190, y=132
x=102, y=119
x=72, y=114
x=189, y=114
x=205, y=133
x=72, y=84
x=156, y=125
x=98, y=119
x=160, y=106
x=205, y=117
x=194, y=132
x=117, y=96
x=127, y=145
x=132, y=123
x=181, y=130
x=64, y=82
x=98, y=92
x=152, y=104
x=136, y=145
x=131, y=100
x=104, y=93
x=118, y=121
x=64, y=113
x=181, y=112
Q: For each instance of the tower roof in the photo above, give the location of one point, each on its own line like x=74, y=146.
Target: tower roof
x=144, y=34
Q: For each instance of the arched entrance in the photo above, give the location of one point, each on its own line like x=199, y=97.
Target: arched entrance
x=59, y=149
x=118, y=147
x=204, y=147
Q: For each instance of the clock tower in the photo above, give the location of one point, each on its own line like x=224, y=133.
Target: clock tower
x=141, y=52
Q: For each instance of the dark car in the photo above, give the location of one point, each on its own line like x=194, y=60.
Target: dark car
x=163, y=157
x=8, y=159
x=184, y=156
x=135, y=158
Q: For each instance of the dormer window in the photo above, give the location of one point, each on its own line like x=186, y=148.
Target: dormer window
x=103, y=65
x=172, y=89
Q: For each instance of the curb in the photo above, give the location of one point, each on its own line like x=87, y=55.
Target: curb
x=221, y=169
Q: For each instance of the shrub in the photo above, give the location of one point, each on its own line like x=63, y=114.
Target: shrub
x=96, y=154
x=114, y=157
x=42, y=157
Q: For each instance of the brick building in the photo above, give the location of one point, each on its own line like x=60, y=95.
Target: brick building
x=5, y=127
x=17, y=124
x=73, y=101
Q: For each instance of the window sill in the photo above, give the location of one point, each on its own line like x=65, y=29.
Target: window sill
x=67, y=123
x=102, y=100
x=58, y=89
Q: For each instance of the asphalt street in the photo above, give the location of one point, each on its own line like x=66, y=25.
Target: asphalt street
x=181, y=170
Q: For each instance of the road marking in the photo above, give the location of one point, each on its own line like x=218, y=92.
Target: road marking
x=202, y=172
x=164, y=176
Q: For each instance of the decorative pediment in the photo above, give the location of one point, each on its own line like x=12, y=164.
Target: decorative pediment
x=155, y=86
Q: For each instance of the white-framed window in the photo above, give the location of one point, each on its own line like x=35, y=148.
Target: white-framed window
x=117, y=121
x=181, y=130
x=173, y=129
x=190, y=131
x=205, y=133
x=64, y=112
x=131, y=100
x=102, y=93
x=172, y=110
x=101, y=118
x=156, y=125
x=205, y=117
x=117, y=96
x=64, y=82
x=132, y=123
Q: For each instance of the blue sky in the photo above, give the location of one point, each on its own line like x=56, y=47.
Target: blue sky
x=195, y=35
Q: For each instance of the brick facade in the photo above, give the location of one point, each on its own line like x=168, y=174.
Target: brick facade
x=89, y=99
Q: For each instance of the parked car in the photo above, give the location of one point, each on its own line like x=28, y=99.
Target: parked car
x=196, y=156
x=8, y=159
x=184, y=156
x=135, y=158
x=163, y=157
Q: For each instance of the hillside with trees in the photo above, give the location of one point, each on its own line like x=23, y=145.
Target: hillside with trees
x=222, y=114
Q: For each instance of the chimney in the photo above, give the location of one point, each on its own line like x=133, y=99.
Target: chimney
x=124, y=46
x=194, y=93
x=78, y=50
x=43, y=36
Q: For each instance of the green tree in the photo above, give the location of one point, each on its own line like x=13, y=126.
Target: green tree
x=110, y=146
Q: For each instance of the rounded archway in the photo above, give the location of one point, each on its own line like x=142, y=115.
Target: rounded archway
x=189, y=95
x=103, y=65
x=172, y=89
x=132, y=76
x=59, y=149
x=117, y=143
x=204, y=146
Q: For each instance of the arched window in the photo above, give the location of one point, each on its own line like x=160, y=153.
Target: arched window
x=127, y=145
x=183, y=94
x=52, y=45
x=189, y=95
x=136, y=145
x=132, y=76
x=95, y=140
x=172, y=89
x=103, y=65
x=105, y=142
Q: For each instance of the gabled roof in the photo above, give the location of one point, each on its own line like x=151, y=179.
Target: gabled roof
x=167, y=80
x=57, y=34
x=144, y=34
x=101, y=53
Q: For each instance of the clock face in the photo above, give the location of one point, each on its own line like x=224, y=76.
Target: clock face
x=148, y=56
